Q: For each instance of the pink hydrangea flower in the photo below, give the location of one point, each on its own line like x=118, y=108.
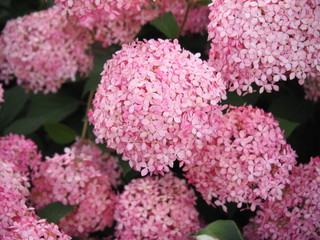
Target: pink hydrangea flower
x=247, y=161
x=17, y=221
x=263, y=42
x=42, y=50
x=156, y=208
x=22, y=152
x=13, y=193
x=297, y=215
x=33, y=228
x=107, y=163
x=153, y=104
x=1, y=93
x=118, y=22
x=74, y=178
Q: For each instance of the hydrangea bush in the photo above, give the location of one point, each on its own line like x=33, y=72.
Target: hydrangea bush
x=157, y=119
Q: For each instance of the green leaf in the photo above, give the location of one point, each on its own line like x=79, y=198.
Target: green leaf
x=222, y=230
x=15, y=99
x=101, y=55
x=292, y=108
x=60, y=133
x=52, y=107
x=235, y=100
x=53, y=212
x=204, y=2
x=95, y=77
x=24, y=125
x=287, y=126
x=166, y=24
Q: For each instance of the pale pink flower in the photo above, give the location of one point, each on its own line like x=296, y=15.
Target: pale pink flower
x=153, y=104
x=43, y=50
x=75, y=178
x=247, y=161
x=17, y=220
x=22, y=152
x=156, y=208
x=297, y=215
x=13, y=193
x=30, y=227
x=118, y=22
x=107, y=163
x=263, y=42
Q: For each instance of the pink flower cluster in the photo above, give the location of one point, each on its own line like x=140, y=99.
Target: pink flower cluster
x=22, y=152
x=33, y=228
x=114, y=22
x=153, y=104
x=247, y=160
x=17, y=221
x=43, y=50
x=1, y=93
x=297, y=215
x=75, y=178
x=156, y=208
x=107, y=163
x=264, y=42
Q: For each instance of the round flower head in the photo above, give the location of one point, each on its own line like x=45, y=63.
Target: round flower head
x=247, y=161
x=153, y=104
x=22, y=152
x=156, y=208
x=33, y=228
x=297, y=215
x=264, y=41
x=74, y=178
x=43, y=50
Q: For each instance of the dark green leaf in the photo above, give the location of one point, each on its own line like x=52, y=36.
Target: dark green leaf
x=94, y=77
x=292, y=108
x=24, y=125
x=287, y=126
x=52, y=107
x=60, y=133
x=15, y=99
x=166, y=24
x=222, y=230
x=204, y=2
x=53, y=212
x=234, y=99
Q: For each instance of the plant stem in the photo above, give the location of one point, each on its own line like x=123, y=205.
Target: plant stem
x=185, y=18
x=85, y=124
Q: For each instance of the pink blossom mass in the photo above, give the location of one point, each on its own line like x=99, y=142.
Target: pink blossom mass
x=153, y=104
x=74, y=178
x=43, y=50
x=156, y=208
x=297, y=215
x=22, y=152
x=263, y=42
x=247, y=161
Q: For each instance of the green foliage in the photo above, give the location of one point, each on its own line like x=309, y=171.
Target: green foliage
x=15, y=99
x=287, y=126
x=166, y=24
x=53, y=212
x=60, y=133
x=222, y=230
